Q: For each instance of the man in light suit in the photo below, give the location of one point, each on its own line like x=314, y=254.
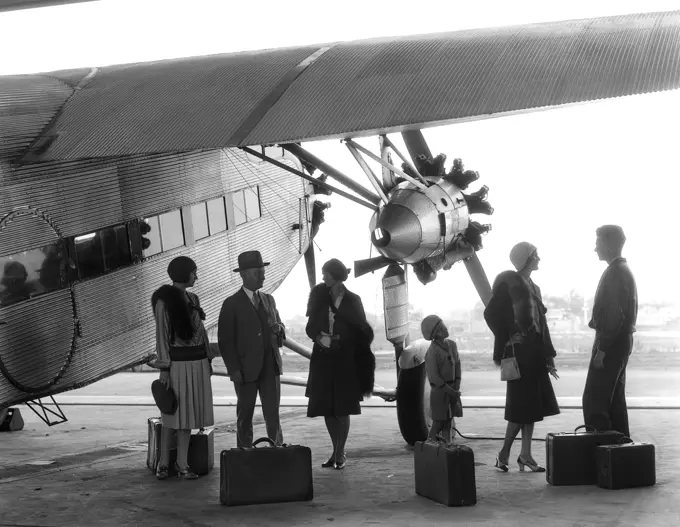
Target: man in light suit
x=250, y=333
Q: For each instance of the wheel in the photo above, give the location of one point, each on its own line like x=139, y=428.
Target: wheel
x=413, y=404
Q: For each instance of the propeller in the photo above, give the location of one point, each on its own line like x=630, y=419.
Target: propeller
x=310, y=264
x=361, y=267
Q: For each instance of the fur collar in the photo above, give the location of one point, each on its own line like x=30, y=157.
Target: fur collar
x=179, y=311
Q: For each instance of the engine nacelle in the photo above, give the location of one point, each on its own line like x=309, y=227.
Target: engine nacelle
x=417, y=224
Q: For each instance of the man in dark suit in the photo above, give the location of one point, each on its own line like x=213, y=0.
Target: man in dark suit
x=613, y=319
x=250, y=333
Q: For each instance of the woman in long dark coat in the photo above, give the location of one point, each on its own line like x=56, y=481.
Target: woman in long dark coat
x=516, y=316
x=342, y=367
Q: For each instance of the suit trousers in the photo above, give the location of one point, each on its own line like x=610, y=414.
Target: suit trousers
x=604, y=395
x=269, y=387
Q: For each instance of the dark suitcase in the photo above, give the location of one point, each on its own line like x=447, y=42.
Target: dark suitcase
x=625, y=466
x=154, y=446
x=570, y=456
x=201, y=456
x=12, y=421
x=254, y=475
x=445, y=474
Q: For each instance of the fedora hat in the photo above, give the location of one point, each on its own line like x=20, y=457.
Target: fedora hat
x=250, y=260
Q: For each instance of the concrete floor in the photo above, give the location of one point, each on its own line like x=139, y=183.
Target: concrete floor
x=91, y=471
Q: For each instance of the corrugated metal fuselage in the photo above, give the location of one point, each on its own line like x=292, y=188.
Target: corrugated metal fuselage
x=88, y=329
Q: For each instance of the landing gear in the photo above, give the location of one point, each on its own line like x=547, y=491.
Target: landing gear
x=413, y=404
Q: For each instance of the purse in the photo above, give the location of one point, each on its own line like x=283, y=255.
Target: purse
x=164, y=397
x=509, y=366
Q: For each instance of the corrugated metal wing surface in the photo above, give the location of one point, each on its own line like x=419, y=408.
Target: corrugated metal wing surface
x=173, y=105
x=27, y=104
x=359, y=88
x=367, y=87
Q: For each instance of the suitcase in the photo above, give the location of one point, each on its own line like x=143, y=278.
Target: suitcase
x=12, y=421
x=153, y=454
x=625, y=466
x=570, y=456
x=201, y=455
x=255, y=475
x=445, y=474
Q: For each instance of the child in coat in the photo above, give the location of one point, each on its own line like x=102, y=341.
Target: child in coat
x=442, y=364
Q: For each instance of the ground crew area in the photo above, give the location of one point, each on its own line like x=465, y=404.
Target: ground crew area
x=92, y=471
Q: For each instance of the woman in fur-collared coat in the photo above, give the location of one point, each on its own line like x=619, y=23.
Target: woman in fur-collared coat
x=183, y=356
x=342, y=367
x=516, y=316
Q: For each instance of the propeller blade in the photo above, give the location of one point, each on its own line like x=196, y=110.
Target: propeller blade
x=479, y=278
x=361, y=267
x=388, y=178
x=416, y=144
x=310, y=263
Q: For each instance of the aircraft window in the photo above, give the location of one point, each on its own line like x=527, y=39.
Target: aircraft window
x=116, y=246
x=217, y=215
x=238, y=200
x=151, y=236
x=89, y=255
x=172, y=232
x=199, y=220
x=31, y=273
x=252, y=196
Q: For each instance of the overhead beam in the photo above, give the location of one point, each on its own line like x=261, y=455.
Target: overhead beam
x=16, y=5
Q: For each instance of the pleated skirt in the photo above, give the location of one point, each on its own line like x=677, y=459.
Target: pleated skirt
x=190, y=380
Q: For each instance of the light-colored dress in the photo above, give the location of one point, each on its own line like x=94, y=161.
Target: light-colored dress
x=190, y=380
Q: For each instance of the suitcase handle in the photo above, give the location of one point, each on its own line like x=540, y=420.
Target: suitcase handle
x=587, y=428
x=264, y=440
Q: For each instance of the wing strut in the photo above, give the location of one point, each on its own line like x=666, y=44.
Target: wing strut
x=311, y=179
x=310, y=158
x=351, y=146
x=387, y=165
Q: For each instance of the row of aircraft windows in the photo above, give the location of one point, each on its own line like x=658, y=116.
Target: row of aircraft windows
x=52, y=267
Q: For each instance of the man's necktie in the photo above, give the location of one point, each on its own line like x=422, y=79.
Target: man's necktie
x=256, y=300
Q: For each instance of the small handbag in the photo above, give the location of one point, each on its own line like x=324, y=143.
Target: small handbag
x=509, y=366
x=164, y=397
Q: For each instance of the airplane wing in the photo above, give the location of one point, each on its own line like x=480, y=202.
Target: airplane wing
x=333, y=91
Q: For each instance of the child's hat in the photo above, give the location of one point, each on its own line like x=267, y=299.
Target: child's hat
x=428, y=325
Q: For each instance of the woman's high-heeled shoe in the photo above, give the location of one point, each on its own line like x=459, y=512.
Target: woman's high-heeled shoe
x=185, y=474
x=341, y=462
x=502, y=466
x=162, y=472
x=330, y=463
x=534, y=467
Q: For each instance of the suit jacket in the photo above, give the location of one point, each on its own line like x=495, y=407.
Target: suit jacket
x=240, y=338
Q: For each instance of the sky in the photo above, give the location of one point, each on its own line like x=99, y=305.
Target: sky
x=554, y=176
